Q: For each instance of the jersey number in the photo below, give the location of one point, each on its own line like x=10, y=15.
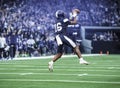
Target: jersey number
x=58, y=27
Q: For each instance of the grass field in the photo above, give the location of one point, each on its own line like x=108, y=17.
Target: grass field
x=103, y=72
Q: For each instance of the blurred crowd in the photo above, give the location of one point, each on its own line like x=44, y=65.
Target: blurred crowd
x=105, y=36
x=28, y=25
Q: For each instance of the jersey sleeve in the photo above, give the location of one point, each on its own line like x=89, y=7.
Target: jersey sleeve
x=66, y=21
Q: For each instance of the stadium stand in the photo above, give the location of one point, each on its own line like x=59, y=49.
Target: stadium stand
x=35, y=19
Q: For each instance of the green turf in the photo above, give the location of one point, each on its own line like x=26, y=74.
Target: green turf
x=103, y=72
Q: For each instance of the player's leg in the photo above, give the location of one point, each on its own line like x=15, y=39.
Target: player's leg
x=56, y=57
x=71, y=43
x=77, y=51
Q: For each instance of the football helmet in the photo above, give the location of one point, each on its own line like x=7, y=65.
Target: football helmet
x=60, y=14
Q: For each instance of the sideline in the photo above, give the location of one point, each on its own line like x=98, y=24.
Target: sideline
x=47, y=57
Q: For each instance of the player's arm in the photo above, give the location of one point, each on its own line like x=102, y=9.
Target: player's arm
x=75, y=13
x=74, y=21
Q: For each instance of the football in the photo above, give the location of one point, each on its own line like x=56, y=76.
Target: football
x=76, y=10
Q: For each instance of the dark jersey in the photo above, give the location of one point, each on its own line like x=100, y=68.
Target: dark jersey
x=61, y=26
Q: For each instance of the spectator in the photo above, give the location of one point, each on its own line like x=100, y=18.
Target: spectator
x=13, y=44
x=95, y=37
x=30, y=46
x=2, y=45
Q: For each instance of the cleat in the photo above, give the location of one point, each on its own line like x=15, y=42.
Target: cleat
x=50, y=66
x=83, y=62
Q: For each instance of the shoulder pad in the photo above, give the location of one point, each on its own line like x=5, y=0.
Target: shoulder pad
x=65, y=20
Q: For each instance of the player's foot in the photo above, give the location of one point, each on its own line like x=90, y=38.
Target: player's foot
x=50, y=66
x=83, y=62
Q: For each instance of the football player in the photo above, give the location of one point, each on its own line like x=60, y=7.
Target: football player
x=61, y=37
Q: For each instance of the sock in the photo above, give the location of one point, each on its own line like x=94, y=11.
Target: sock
x=51, y=62
x=81, y=58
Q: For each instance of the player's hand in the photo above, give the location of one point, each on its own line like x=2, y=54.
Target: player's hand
x=75, y=12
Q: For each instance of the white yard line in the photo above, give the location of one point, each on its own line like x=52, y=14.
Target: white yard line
x=59, y=74
x=67, y=81
x=93, y=70
x=62, y=66
x=70, y=70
